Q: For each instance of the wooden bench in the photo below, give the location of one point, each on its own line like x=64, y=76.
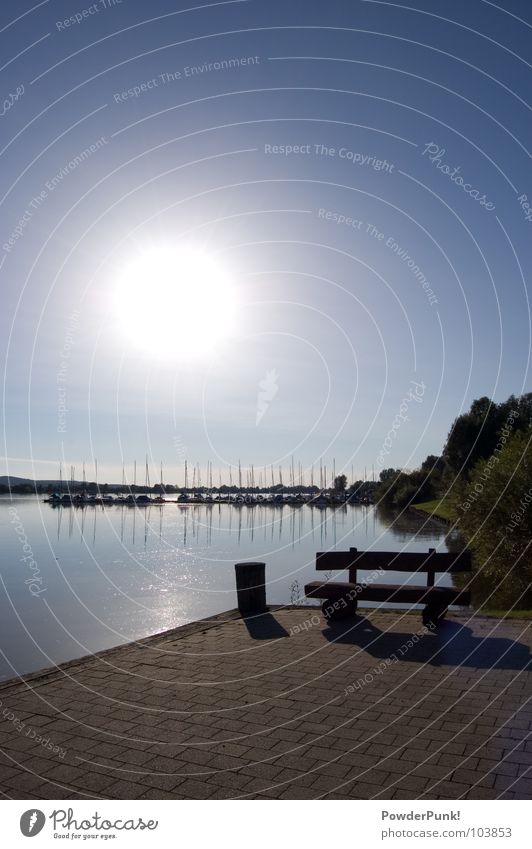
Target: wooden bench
x=341, y=597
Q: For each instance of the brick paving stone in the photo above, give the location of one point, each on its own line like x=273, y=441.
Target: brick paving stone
x=447, y=790
x=469, y=776
x=434, y=771
x=167, y=783
x=499, y=767
x=154, y=793
x=484, y=793
x=207, y=711
x=417, y=756
x=266, y=771
x=122, y=789
x=452, y=762
x=517, y=785
x=194, y=789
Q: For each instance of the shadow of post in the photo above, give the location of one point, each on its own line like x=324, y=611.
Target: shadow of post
x=264, y=626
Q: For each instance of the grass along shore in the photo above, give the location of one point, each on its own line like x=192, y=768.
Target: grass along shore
x=438, y=508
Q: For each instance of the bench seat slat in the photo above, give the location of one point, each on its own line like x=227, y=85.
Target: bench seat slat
x=407, y=593
x=394, y=562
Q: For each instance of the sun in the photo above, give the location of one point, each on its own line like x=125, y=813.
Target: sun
x=175, y=302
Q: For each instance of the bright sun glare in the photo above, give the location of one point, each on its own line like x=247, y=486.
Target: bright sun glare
x=175, y=302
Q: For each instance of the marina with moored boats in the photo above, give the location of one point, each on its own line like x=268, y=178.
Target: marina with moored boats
x=246, y=490
x=277, y=499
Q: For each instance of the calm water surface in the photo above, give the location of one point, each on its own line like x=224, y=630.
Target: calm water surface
x=110, y=575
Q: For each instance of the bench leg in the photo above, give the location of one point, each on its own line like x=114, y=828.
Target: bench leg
x=334, y=610
x=433, y=614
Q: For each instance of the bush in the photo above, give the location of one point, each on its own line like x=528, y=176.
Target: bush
x=494, y=514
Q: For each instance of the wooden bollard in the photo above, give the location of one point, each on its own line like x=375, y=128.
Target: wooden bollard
x=251, y=587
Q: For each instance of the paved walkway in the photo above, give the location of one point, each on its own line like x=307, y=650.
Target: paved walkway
x=281, y=707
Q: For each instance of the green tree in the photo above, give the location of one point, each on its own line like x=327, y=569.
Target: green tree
x=389, y=474
x=433, y=464
x=494, y=514
x=474, y=435
x=392, y=482
x=340, y=483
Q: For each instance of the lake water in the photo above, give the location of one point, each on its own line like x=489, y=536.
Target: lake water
x=97, y=577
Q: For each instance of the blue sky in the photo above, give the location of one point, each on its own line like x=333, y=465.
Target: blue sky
x=389, y=249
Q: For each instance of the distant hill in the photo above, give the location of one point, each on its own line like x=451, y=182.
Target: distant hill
x=10, y=480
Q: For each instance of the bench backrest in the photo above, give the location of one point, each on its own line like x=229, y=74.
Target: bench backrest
x=394, y=561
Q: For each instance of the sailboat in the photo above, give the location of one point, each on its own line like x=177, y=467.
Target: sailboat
x=145, y=499
x=159, y=499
